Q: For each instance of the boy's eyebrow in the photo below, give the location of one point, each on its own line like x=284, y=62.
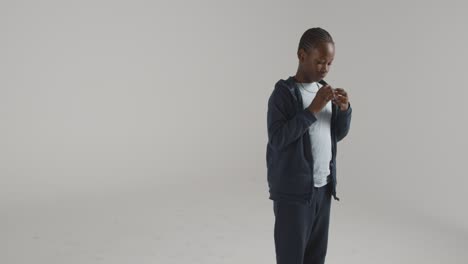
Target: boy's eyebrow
x=324, y=59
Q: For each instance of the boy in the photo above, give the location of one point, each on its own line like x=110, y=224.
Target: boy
x=306, y=118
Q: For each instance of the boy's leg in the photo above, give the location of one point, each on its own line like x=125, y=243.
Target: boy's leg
x=292, y=225
x=316, y=248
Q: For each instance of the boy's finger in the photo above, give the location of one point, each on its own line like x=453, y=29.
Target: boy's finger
x=342, y=92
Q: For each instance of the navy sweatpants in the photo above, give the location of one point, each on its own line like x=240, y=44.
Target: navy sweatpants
x=301, y=230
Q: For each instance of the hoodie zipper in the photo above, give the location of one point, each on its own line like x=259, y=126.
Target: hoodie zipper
x=334, y=143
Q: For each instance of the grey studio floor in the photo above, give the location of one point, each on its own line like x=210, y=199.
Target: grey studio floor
x=207, y=222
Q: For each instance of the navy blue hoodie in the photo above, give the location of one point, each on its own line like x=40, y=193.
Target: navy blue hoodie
x=289, y=154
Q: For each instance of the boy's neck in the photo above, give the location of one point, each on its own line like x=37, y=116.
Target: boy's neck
x=301, y=78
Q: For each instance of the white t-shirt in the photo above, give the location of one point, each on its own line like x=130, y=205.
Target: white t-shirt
x=319, y=132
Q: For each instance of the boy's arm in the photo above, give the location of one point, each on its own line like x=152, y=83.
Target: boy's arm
x=343, y=122
x=283, y=131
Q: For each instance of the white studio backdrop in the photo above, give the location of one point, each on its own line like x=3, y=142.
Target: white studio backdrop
x=166, y=100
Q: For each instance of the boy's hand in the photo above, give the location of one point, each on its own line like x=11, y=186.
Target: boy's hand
x=324, y=94
x=341, y=99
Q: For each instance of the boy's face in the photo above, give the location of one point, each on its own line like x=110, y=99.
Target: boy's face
x=315, y=64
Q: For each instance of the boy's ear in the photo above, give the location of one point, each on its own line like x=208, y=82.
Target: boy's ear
x=302, y=55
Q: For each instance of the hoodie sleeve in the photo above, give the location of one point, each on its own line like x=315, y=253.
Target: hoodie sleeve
x=343, y=122
x=282, y=130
